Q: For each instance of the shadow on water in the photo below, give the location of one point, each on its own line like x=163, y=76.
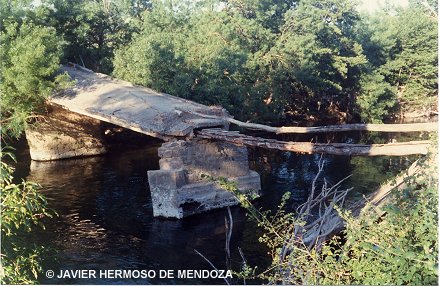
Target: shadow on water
x=105, y=216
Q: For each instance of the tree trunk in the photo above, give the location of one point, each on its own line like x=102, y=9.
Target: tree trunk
x=391, y=149
x=410, y=127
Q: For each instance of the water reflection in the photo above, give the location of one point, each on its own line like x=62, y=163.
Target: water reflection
x=287, y=171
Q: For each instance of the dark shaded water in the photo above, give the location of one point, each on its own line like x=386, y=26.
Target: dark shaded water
x=105, y=216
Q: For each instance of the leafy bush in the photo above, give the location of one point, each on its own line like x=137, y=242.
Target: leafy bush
x=400, y=248
x=30, y=57
x=23, y=208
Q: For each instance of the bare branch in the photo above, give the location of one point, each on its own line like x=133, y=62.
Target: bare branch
x=210, y=263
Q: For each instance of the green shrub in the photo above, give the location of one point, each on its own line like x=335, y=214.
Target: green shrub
x=30, y=57
x=22, y=209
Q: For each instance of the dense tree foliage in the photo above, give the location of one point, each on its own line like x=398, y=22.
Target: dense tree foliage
x=269, y=61
x=92, y=29
x=30, y=57
x=401, y=46
x=272, y=61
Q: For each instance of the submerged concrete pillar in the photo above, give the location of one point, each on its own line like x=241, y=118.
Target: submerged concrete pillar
x=178, y=189
x=64, y=134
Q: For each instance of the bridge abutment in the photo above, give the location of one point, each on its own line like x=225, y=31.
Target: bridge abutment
x=178, y=189
x=64, y=134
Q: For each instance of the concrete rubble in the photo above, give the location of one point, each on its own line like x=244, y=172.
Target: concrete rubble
x=134, y=107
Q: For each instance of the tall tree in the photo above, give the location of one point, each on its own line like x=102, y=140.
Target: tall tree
x=93, y=29
x=401, y=45
x=317, y=55
x=30, y=58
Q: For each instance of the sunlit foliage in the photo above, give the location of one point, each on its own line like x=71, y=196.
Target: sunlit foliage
x=30, y=58
x=22, y=209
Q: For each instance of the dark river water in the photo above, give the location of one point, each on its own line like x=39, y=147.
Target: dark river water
x=105, y=217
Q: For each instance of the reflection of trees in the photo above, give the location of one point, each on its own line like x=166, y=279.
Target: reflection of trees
x=100, y=186
x=290, y=172
x=103, y=207
x=71, y=187
x=369, y=172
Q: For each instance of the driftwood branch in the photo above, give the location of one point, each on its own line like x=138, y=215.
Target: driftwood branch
x=410, y=127
x=321, y=221
x=334, y=223
x=391, y=149
x=210, y=263
x=324, y=221
x=327, y=222
x=229, y=224
x=77, y=66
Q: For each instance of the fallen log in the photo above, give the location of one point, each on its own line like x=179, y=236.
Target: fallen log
x=330, y=223
x=406, y=127
x=391, y=149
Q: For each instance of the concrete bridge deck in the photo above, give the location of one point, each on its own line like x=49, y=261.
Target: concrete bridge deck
x=134, y=107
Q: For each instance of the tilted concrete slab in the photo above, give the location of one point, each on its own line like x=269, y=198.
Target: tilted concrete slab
x=134, y=107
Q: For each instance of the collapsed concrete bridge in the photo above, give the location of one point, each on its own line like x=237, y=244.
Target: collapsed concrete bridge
x=74, y=128
x=197, y=140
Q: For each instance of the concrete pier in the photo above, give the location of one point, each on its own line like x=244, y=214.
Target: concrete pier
x=178, y=189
